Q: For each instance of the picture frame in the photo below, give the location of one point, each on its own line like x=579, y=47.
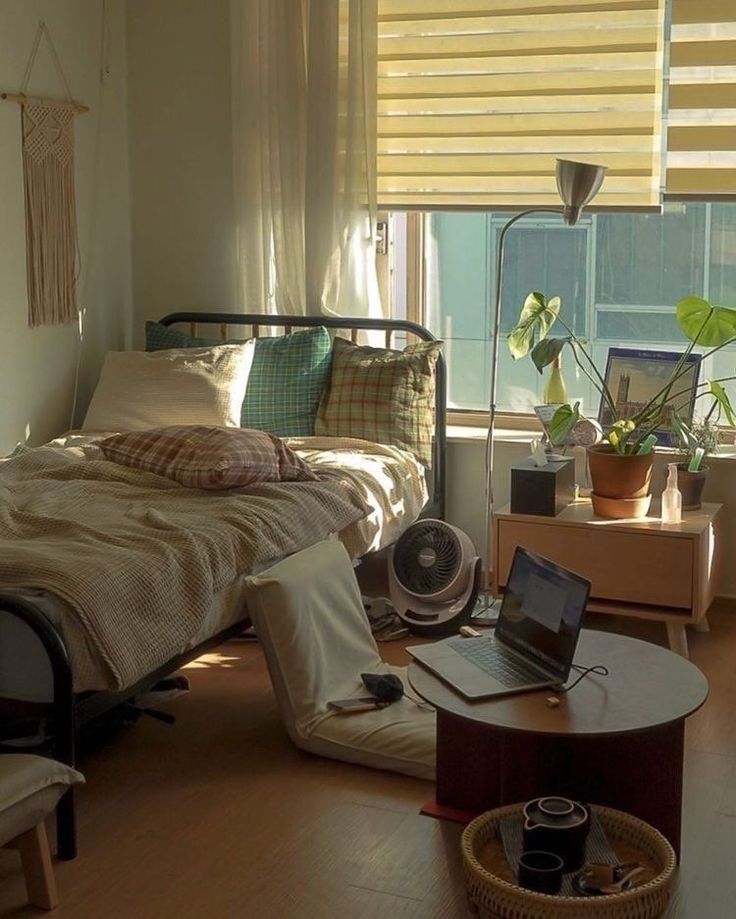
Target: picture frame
x=634, y=375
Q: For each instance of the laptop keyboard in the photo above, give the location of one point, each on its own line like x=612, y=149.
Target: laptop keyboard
x=487, y=654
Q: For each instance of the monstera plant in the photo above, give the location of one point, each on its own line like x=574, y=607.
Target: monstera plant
x=704, y=326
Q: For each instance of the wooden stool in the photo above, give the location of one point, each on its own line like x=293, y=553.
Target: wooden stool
x=30, y=788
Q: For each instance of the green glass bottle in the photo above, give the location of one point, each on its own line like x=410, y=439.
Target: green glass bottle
x=555, y=391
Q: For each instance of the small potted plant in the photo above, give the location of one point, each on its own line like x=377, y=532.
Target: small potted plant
x=698, y=441
x=621, y=468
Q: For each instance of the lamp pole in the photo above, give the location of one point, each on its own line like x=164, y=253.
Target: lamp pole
x=577, y=184
x=490, y=446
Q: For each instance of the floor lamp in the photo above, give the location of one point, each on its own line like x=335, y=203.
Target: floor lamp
x=577, y=185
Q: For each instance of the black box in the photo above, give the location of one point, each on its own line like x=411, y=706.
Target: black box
x=544, y=490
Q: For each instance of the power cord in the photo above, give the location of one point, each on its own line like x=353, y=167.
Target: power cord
x=583, y=671
x=485, y=614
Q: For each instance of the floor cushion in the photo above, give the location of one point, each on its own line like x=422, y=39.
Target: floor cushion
x=311, y=624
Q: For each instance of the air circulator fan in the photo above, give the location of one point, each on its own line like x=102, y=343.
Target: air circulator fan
x=434, y=578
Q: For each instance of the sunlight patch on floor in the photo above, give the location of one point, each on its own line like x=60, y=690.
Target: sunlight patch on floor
x=212, y=659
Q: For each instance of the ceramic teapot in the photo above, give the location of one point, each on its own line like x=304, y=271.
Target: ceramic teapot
x=557, y=825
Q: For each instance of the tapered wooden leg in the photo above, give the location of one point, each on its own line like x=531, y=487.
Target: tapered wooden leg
x=702, y=625
x=37, y=868
x=677, y=638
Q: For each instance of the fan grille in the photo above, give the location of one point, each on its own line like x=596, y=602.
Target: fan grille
x=427, y=558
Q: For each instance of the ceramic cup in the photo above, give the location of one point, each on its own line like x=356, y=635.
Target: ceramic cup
x=540, y=871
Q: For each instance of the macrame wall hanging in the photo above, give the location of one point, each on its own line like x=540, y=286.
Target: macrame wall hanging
x=48, y=177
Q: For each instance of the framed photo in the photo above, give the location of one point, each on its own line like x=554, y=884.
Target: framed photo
x=633, y=376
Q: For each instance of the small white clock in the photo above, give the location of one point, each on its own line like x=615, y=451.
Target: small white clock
x=585, y=433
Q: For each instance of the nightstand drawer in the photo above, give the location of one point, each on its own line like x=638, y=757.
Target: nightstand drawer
x=631, y=567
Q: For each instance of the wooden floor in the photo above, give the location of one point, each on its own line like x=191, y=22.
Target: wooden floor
x=219, y=816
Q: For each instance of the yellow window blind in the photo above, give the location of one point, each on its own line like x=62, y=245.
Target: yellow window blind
x=701, y=135
x=476, y=99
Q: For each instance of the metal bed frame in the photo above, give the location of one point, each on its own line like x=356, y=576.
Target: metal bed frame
x=69, y=711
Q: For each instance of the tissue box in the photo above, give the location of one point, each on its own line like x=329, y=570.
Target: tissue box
x=543, y=490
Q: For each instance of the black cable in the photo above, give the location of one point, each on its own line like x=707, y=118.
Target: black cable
x=493, y=607
x=583, y=671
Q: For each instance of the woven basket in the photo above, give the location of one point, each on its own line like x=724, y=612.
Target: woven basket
x=491, y=897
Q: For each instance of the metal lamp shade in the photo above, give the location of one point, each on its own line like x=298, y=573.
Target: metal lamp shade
x=577, y=184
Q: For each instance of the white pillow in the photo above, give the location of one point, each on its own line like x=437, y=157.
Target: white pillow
x=139, y=389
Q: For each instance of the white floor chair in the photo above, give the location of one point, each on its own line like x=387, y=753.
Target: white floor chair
x=310, y=621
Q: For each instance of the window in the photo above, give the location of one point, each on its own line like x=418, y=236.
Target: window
x=473, y=107
x=619, y=277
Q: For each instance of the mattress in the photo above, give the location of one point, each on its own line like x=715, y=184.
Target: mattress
x=390, y=481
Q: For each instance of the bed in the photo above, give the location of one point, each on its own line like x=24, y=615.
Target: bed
x=47, y=660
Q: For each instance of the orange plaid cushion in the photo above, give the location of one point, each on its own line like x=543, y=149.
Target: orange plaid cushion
x=200, y=456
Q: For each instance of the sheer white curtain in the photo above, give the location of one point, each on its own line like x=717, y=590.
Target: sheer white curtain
x=304, y=74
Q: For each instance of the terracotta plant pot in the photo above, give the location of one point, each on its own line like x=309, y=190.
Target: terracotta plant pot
x=691, y=486
x=620, y=508
x=615, y=476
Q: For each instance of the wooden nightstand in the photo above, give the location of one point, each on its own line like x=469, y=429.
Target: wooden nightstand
x=637, y=567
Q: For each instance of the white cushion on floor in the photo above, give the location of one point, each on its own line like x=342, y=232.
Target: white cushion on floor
x=310, y=620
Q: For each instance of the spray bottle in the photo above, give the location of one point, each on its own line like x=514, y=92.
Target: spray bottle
x=671, y=498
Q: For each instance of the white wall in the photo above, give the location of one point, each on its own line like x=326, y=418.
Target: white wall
x=180, y=157
x=38, y=365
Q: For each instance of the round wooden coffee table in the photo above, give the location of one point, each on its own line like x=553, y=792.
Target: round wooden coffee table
x=616, y=740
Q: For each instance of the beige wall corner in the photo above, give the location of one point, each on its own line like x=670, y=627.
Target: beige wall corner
x=39, y=365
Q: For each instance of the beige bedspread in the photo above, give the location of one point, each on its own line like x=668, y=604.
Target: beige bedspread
x=390, y=481
x=134, y=554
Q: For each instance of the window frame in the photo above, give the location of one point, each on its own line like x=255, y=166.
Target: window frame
x=415, y=301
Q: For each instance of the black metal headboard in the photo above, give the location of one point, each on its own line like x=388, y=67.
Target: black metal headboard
x=437, y=476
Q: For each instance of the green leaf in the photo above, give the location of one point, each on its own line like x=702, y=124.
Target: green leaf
x=683, y=432
x=705, y=324
x=619, y=434
x=536, y=318
x=563, y=421
x=545, y=352
x=624, y=427
x=721, y=397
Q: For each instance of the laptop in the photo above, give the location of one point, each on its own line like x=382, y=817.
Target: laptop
x=534, y=641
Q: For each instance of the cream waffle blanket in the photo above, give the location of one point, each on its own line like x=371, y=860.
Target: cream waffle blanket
x=138, y=557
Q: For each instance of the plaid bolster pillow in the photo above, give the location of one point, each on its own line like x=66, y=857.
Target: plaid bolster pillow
x=203, y=456
x=382, y=395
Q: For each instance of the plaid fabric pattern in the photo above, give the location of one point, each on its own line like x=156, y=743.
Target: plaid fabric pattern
x=201, y=456
x=382, y=395
x=286, y=382
x=163, y=337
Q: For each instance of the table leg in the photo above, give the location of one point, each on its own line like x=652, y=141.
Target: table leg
x=677, y=638
x=702, y=625
x=480, y=767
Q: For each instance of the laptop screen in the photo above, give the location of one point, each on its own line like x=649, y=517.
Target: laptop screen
x=542, y=611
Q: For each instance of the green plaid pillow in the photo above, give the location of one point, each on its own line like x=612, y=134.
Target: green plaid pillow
x=382, y=395
x=286, y=381
x=164, y=337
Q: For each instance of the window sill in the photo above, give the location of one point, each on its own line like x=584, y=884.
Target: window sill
x=469, y=434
